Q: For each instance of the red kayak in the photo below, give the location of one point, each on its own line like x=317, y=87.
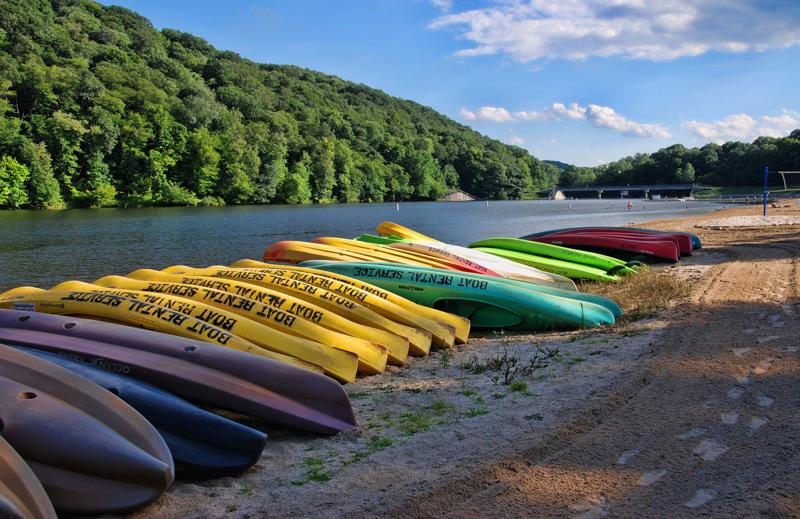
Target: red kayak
x=666, y=249
x=684, y=245
x=684, y=241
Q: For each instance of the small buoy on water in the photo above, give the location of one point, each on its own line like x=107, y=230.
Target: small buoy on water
x=396, y=207
x=487, y=203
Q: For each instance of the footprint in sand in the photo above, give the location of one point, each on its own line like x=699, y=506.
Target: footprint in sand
x=701, y=497
x=710, y=450
x=765, y=401
x=708, y=404
x=735, y=393
x=626, y=456
x=592, y=508
x=742, y=380
x=651, y=476
x=763, y=366
x=768, y=338
x=729, y=418
x=741, y=352
x=693, y=433
x=789, y=349
x=757, y=423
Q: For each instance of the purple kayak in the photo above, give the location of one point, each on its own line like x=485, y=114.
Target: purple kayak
x=195, y=370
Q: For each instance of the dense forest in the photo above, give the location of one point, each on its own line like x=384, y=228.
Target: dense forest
x=97, y=108
x=729, y=164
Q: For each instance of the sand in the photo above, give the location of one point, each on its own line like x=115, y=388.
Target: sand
x=693, y=412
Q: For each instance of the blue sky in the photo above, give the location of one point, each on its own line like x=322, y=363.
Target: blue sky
x=582, y=81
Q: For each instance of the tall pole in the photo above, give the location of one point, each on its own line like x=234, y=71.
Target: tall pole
x=766, y=186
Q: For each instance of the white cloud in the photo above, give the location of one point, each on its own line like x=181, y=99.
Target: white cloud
x=596, y=115
x=744, y=127
x=516, y=140
x=444, y=5
x=654, y=30
x=487, y=113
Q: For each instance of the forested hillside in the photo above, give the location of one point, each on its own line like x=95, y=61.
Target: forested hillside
x=729, y=164
x=97, y=108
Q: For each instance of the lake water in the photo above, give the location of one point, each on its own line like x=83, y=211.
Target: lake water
x=42, y=248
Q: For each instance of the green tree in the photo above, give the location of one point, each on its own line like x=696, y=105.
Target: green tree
x=42, y=185
x=294, y=187
x=13, y=176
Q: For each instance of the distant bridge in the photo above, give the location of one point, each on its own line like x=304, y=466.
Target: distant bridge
x=652, y=191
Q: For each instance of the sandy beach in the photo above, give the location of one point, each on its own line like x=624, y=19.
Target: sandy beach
x=691, y=412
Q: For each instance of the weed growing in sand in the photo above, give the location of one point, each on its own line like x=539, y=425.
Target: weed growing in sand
x=315, y=470
x=472, y=395
x=475, y=411
x=427, y=418
x=355, y=395
x=576, y=360
x=246, y=489
x=510, y=367
x=445, y=358
x=378, y=443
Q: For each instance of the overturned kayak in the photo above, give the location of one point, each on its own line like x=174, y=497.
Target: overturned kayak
x=687, y=242
x=419, y=340
x=628, y=247
x=459, y=324
x=203, y=444
x=21, y=493
x=91, y=451
x=396, y=346
x=198, y=371
x=608, y=264
x=608, y=304
x=137, y=312
x=371, y=357
x=486, y=302
x=563, y=268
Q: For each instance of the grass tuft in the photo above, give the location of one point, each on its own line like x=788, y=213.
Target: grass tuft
x=643, y=294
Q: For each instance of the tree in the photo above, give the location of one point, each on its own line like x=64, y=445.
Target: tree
x=42, y=185
x=294, y=187
x=13, y=176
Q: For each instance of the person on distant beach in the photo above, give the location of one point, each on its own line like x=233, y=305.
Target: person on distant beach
x=630, y=204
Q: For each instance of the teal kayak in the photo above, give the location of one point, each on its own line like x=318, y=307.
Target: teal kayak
x=602, y=262
x=605, y=302
x=487, y=302
x=555, y=266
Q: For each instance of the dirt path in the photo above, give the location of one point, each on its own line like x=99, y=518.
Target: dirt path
x=708, y=427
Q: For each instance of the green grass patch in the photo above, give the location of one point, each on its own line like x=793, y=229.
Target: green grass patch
x=315, y=470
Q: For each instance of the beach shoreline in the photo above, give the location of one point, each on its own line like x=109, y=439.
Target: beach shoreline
x=579, y=427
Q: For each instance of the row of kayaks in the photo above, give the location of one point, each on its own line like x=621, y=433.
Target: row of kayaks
x=111, y=386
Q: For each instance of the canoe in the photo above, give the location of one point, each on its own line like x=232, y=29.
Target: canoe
x=608, y=304
x=203, y=444
x=21, y=493
x=661, y=250
x=563, y=268
x=419, y=340
x=688, y=241
x=198, y=371
x=371, y=357
x=341, y=365
x=500, y=267
x=459, y=324
x=599, y=261
x=91, y=451
x=484, y=301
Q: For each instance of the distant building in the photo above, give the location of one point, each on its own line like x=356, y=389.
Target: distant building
x=651, y=191
x=458, y=196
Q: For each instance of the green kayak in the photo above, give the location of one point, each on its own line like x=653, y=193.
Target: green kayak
x=555, y=266
x=592, y=259
x=605, y=302
x=485, y=301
